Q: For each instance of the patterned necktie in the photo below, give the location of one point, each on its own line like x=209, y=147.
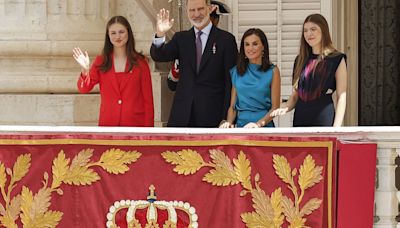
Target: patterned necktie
x=199, y=49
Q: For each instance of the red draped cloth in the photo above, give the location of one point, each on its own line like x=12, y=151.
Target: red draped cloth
x=216, y=206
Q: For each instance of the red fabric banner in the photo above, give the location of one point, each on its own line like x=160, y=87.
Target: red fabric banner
x=356, y=184
x=73, y=180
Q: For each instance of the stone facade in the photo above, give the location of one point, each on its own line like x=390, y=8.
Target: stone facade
x=37, y=37
x=38, y=73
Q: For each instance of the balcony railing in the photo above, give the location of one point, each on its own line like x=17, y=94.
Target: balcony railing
x=387, y=139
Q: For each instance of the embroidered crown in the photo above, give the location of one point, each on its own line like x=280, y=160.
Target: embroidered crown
x=151, y=213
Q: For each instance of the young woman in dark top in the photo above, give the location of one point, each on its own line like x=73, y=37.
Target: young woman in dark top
x=319, y=71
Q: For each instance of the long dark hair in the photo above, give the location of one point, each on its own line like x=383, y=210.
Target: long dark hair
x=131, y=53
x=243, y=62
x=327, y=47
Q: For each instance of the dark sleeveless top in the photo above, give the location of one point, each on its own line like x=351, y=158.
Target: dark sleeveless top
x=316, y=84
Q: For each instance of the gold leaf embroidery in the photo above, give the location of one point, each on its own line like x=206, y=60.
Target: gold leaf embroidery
x=221, y=160
x=48, y=219
x=2, y=210
x=33, y=209
x=81, y=176
x=254, y=220
x=41, y=201
x=15, y=207
x=172, y=157
x=8, y=221
x=21, y=167
x=288, y=209
x=59, y=169
x=310, y=206
x=243, y=170
x=3, y=177
x=298, y=222
x=115, y=160
x=282, y=168
x=276, y=202
x=262, y=204
x=224, y=173
x=186, y=161
x=26, y=206
x=270, y=212
x=81, y=159
x=221, y=176
x=309, y=174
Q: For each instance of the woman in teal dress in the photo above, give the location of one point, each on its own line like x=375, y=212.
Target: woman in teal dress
x=256, y=84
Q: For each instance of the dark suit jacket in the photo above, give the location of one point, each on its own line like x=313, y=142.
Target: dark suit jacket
x=201, y=99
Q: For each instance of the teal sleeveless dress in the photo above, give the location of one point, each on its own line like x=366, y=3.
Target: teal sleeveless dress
x=253, y=89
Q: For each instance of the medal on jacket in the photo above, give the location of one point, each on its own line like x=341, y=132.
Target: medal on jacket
x=214, y=48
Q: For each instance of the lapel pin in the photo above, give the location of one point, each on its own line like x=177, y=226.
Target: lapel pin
x=214, y=48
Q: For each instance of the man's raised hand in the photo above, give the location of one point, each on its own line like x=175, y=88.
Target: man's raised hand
x=164, y=24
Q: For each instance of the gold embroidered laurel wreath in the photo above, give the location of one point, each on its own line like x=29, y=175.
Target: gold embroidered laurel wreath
x=33, y=209
x=270, y=211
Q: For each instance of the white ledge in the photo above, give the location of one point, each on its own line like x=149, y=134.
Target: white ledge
x=380, y=133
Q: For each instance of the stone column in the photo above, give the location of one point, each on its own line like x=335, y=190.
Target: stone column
x=386, y=203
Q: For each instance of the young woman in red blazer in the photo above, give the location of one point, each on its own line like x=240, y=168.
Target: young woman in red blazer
x=123, y=76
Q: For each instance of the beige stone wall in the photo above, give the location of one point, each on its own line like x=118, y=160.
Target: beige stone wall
x=38, y=74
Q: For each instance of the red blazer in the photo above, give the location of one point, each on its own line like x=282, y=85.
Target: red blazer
x=126, y=100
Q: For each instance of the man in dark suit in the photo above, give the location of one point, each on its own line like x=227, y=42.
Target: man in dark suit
x=203, y=93
x=218, y=9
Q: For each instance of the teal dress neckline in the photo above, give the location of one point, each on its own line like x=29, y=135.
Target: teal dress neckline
x=253, y=89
